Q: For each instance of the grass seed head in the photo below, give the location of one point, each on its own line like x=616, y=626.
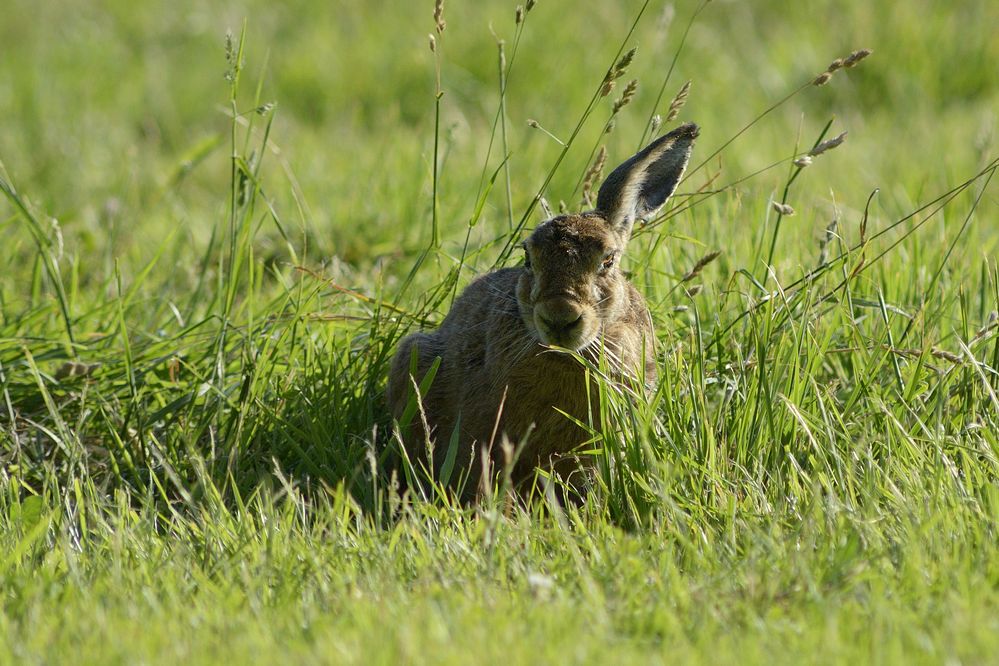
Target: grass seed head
x=830, y=231
x=593, y=175
x=232, y=57
x=433, y=44
x=839, y=63
x=827, y=145
x=803, y=161
x=946, y=355
x=783, y=209
x=519, y=17
x=627, y=95
x=822, y=79
x=616, y=72
x=530, y=5
x=622, y=65
x=855, y=57
x=678, y=101
x=439, y=16
x=699, y=266
x=657, y=122
x=230, y=47
x=545, y=207
x=534, y=124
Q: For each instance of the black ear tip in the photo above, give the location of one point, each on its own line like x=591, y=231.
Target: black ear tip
x=686, y=131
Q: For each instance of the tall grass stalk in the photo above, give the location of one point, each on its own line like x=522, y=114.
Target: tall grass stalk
x=195, y=451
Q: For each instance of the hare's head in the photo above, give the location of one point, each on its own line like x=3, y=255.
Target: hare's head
x=572, y=283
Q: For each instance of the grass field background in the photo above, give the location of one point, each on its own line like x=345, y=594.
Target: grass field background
x=197, y=311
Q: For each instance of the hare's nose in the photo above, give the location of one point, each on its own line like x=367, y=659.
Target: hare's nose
x=561, y=318
x=562, y=327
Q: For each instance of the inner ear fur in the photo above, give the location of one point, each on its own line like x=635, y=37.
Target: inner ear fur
x=639, y=187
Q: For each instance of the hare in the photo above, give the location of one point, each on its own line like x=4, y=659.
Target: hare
x=504, y=375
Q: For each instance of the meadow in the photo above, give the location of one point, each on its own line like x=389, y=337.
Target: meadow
x=219, y=221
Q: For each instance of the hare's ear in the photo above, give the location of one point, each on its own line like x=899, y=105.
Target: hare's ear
x=639, y=187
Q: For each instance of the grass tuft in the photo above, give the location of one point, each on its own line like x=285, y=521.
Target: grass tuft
x=203, y=289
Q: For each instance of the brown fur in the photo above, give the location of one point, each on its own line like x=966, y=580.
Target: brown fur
x=500, y=379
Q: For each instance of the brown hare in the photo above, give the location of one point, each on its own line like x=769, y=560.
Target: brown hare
x=504, y=377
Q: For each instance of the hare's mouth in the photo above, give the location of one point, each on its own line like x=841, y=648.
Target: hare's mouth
x=572, y=343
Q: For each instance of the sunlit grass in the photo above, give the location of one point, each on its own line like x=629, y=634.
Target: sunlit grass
x=210, y=261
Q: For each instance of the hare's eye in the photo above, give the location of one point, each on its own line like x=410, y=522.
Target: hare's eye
x=608, y=262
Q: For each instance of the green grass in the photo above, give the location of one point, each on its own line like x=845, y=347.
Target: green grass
x=196, y=317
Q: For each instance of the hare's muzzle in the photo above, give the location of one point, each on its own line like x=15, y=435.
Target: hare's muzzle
x=561, y=322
